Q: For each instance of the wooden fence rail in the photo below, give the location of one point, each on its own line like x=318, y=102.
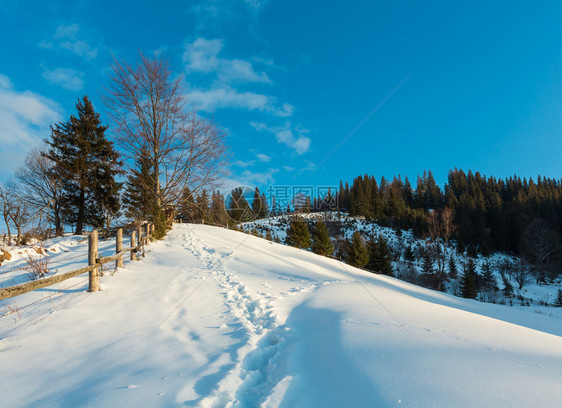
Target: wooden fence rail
x=94, y=263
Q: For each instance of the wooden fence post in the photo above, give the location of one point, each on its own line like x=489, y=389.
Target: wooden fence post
x=133, y=244
x=139, y=238
x=94, y=279
x=119, y=247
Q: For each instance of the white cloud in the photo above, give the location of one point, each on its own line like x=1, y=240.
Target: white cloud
x=244, y=164
x=66, y=37
x=263, y=157
x=214, y=14
x=291, y=137
x=67, y=78
x=256, y=4
x=203, y=56
x=24, y=121
x=251, y=178
x=212, y=99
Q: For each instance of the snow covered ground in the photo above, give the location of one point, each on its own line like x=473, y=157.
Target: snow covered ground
x=532, y=293
x=214, y=318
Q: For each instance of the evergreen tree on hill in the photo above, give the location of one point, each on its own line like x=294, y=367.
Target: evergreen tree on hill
x=356, y=252
x=453, y=272
x=468, y=280
x=87, y=164
x=137, y=199
x=298, y=234
x=217, y=212
x=488, y=279
x=264, y=207
x=558, y=301
x=321, y=242
x=429, y=277
x=259, y=204
x=202, y=206
x=427, y=265
x=238, y=208
x=187, y=209
x=409, y=254
x=507, y=287
x=380, y=257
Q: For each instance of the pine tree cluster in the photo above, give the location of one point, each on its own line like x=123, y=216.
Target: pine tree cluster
x=491, y=214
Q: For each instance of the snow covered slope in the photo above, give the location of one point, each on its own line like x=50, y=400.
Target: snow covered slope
x=215, y=318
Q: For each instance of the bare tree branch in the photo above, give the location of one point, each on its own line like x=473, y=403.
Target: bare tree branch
x=152, y=120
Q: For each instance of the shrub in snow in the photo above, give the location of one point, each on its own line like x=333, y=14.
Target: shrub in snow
x=37, y=268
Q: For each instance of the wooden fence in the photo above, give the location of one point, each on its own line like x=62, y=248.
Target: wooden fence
x=138, y=241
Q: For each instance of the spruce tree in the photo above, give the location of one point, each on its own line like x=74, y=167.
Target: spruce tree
x=507, y=287
x=427, y=265
x=137, y=198
x=217, y=212
x=202, y=206
x=321, y=242
x=409, y=254
x=488, y=279
x=380, y=257
x=453, y=272
x=558, y=301
x=468, y=284
x=187, y=208
x=238, y=208
x=257, y=204
x=429, y=277
x=298, y=234
x=87, y=164
x=356, y=252
x=264, y=207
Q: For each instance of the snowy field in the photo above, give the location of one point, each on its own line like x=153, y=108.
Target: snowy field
x=532, y=292
x=217, y=318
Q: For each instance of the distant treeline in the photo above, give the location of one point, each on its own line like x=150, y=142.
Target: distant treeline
x=491, y=214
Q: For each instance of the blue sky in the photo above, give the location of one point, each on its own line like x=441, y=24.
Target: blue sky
x=474, y=85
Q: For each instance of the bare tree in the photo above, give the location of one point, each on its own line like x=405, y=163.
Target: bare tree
x=20, y=216
x=15, y=212
x=153, y=121
x=7, y=208
x=441, y=228
x=540, y=245
x=448, y=227
x=40, y=189
x=521, y=273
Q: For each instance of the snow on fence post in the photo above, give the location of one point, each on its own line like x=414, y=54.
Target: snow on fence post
x=94, y=279
x=133, y=244
x=119, y=247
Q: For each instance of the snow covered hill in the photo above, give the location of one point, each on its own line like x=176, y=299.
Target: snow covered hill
x=214, y=318
x=531, y=294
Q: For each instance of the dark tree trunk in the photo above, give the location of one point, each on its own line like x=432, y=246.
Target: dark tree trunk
x=58, y=223
x=80, y=219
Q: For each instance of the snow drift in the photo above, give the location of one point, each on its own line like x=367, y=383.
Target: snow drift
x=214, y=318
